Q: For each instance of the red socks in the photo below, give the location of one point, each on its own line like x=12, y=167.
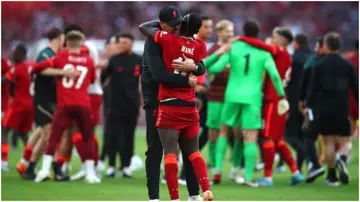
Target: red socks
x=269, y=156
x=200, y=169
x=27, y=153
x=4, y=152
x=285, y=154
x=61, y=160
x=83, y=147
x=171, y=175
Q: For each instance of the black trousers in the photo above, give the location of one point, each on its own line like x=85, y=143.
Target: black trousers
x=203, y=137
x=106, y=135
x=310, y=136
x=154, y=155
x=294, y=136
x=122, y=134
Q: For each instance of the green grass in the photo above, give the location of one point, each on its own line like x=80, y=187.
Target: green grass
x=13, y=188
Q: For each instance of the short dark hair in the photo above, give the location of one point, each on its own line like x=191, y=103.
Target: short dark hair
x=333, y=41
x=191, y=25
x=284, y=32
x=205, y=17
x=251, y=28
x=19, y=54
x=54, y=33
x=127, y=35
x=302, y=39
x=320, y=41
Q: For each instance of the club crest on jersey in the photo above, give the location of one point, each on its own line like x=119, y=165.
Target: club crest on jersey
x=174, y=14
x=187, y=50
x=162, y=33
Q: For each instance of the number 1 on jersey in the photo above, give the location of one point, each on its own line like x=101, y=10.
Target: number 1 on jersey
x=247, y=58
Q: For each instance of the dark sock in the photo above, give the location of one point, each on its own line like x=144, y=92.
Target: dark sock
x=56, y=168
x=31, y=168
x=343, y=158
x=331, y=173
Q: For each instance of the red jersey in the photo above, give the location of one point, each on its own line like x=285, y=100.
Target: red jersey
x=283, y=63
x=72, y=92
x=5, y=91
x=19, y=74
x=174, y=47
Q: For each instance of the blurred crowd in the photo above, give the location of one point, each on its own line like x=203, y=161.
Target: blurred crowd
x=29, y=21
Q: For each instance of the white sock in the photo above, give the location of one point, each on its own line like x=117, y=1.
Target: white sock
x=90, y=167
x=25, y=162
x=46, y=164
x=295, y=173
x=268, y=179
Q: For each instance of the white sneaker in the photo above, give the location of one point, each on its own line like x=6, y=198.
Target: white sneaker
x=136, y=163
x=127, y=173
x=66, y=168
x=163, y=180
x=42, y=176
x=110, y=172
x=233, y=173
x=195, y=198
x=5, y=166
x=208, y=196
x=79, y=175
x=100, y=166
x=182, y=182
x=90, y=172
x=239, y=180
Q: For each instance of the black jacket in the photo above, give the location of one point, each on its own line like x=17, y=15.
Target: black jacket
x=293, y=90
x=330, y=82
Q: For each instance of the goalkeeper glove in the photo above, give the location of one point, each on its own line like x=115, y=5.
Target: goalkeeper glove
x=283, y=106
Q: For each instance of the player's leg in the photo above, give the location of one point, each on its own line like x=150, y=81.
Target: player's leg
x=316, y=170
x=330, y=159
x=237, y=154
x=229, y=115
x=82, y=117
x=114, y=135
x=250, y=121
x=62, y=121
x=169, y=140
x=294, y=136
x=267, y=143
x=129, y=135
x=12, y=120
x=189, y=145
x=203, y=137
x=153, y=155
x=213, y=123
x=344, y=139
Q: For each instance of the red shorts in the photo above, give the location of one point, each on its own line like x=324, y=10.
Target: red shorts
x=19, y=118
x=95, y=102
x=274, y=124
x=183, y=119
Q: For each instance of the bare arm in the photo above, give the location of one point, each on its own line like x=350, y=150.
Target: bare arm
x=150, y=28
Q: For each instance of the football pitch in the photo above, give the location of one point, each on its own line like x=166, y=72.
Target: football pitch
x=116, y=189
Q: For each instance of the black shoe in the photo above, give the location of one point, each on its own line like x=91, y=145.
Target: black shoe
x=28, y=176
x=333, y=182
x=314, y=173
x=60, y=177
x=344, y=173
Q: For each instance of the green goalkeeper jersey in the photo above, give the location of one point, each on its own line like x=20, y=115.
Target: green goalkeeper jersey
x=248, y=67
